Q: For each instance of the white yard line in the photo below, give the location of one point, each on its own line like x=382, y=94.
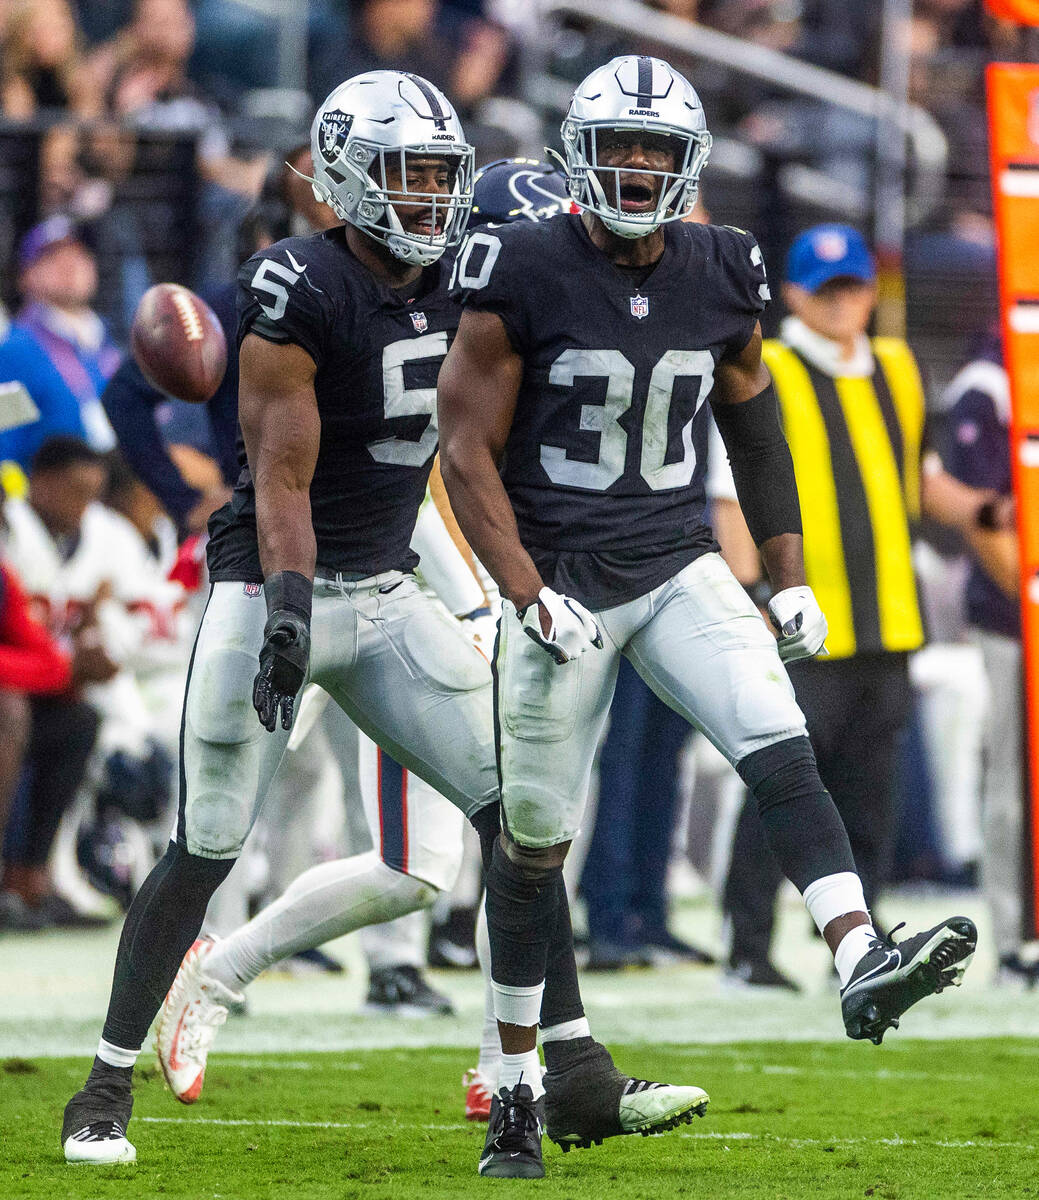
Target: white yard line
x=713, y=1136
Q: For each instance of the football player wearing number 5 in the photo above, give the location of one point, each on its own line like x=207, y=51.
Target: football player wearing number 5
x=572, y=443
x=341, y=335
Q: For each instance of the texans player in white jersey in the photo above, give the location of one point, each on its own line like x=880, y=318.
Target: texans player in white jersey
x=341, y=335
x=573, y=436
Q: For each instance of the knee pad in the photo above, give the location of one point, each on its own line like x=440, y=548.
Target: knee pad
x=801, y=822
x=781, y=772
x=219, y=699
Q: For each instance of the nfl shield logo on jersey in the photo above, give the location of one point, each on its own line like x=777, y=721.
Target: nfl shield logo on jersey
x=640, y=306
x=252, y=589
x=419, y=321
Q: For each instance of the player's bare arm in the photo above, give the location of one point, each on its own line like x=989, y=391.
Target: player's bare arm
x=476, y=400
x=747, y=414
x=282, y=431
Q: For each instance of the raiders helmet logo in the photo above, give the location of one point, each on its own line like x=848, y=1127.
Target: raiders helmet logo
x=640, y=306
x=332, y=134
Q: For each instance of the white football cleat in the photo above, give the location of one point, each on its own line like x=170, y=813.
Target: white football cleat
x=195, y=1008
x=100, y=1143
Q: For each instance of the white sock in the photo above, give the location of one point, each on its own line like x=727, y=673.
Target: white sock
x=116, y=1056
x=323, y=903
x=567, y=1031
x=521, y=1068
x=855, y=943
x=489, y=1062
x=832, y=896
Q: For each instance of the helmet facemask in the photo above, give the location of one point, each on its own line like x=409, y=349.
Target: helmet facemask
x=598, y=188
x=372, y=168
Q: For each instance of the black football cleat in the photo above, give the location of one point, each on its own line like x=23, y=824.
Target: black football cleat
x=589, y=1100
x=405, y=992
x=891, y=978
x=513, y=1146
x=94, y=1126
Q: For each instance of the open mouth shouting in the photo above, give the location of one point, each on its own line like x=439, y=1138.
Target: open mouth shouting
x=637, y=197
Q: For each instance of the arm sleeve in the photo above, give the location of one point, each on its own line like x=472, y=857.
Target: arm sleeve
x=745, y=282
x=762, y=467
x=30, y=661
x=484, y=278
x=283, y=304
x=130, y=402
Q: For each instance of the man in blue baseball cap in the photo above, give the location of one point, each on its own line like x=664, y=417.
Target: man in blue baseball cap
x=853, y=410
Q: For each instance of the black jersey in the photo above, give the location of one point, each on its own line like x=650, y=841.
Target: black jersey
x=605, y=462
x=377, y=356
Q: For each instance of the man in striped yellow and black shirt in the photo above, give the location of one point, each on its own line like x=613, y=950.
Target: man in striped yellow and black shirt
x=853, y=412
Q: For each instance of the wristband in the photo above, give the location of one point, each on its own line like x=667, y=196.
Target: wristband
x=289, y=591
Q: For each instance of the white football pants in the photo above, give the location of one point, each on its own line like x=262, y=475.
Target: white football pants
x=389, y=656
x=697, y=641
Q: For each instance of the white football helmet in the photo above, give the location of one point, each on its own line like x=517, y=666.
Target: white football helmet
x=381, y=117
x=635, y=92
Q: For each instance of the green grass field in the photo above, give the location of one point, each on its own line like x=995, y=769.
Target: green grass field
x=908, y=1119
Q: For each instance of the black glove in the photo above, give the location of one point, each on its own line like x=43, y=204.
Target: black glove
x=285, y=650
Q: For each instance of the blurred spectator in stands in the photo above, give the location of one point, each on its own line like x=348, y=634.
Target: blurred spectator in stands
x=853, y=410
x=172, y=446
x=59, y=347
x=43, y=69
x=143, y=73
x=979, y=455
x=466, y=56
x=44, y=546
x=31, y=663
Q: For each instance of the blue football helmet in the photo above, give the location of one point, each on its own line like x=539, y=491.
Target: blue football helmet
x=518, y=189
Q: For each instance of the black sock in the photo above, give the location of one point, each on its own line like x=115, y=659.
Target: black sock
x=163, y=921
x=562, y=998
x=804, y=829
x=522, y=904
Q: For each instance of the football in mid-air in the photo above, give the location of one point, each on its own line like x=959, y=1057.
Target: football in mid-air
x=178, y=343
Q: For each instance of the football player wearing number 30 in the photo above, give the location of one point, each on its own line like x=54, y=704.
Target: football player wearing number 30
x=572, y=445
x=341, y=335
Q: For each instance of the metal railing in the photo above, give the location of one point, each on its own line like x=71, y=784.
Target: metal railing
x=927, y=143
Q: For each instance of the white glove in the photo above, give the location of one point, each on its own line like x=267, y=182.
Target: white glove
x=481, y=627
x=573, y=629
x=799, y=620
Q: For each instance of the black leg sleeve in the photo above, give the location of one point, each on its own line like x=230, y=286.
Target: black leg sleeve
x=562, y=999
x=522, y=904
x=163, y=921
x=802, y=825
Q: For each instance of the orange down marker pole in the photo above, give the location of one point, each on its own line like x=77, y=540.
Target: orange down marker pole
x=1013, y=105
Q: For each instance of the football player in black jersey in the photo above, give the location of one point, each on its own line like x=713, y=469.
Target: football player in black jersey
x=341, y=335
x=572, y=446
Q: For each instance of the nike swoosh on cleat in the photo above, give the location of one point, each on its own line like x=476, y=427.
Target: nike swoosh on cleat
x=175, y=1042
x=891, y=954
x=300, y=267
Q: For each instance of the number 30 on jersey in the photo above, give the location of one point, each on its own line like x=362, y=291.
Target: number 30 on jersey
x=604, y=419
